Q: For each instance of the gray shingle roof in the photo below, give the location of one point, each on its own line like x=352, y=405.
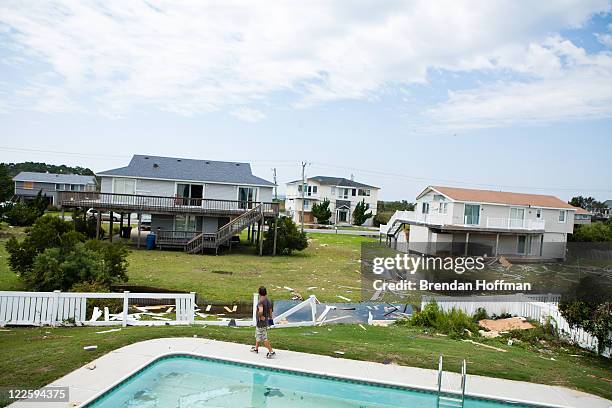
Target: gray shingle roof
x=54, y=178
x=173, y=168
x=335, y=181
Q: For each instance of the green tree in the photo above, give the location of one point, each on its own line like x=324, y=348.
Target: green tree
x=322, y=212
x=361, y=214
x=288, y=237
x=594, y=232
x=590, y=310
x=21, y=215
x=588, y=203
x=6, y=184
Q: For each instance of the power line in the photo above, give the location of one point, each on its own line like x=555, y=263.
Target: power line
x=288, y=163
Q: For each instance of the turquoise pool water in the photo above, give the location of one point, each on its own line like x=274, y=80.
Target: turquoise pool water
x=189, y=382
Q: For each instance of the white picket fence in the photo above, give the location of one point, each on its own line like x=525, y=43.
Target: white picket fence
x=57, y=308
x=70, y=308
x=535, y=307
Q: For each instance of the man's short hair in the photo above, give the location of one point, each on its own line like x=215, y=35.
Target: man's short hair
x=263, y=291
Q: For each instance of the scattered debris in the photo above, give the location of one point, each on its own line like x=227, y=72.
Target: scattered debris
x=311, y=288
x=90, y=348
x=505, y=263
x=339, y=352
x=232, y=310
x=208, y=308
x=108, y=331
x=363, y=327
x=91, y=366
x=288, y=288
x=343, y=298
x=485, y=345
x=296, y=296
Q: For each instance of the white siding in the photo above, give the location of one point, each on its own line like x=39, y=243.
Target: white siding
x=221, y=192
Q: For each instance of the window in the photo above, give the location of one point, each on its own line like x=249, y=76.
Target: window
x=343, y=193
x=471, y=214
x=58, y=186
x=363, y=192
x=312, y=190
x=562, y=215
x=425, y=208
x=438, y=197
x=517, y=215
x=28, y=185
x=299, y=188
x=354, y=192
x=538, y=213
x=443, y=208
x=124, y=186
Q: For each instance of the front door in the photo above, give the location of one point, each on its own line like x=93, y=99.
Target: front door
x=342, y=216
x=521, y=245
x=247, y=197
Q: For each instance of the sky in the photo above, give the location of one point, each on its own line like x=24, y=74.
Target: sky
x=503, y=95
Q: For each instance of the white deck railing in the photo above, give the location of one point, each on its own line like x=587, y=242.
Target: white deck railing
x=445, y=219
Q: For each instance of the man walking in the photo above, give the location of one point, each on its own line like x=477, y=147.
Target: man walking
x=264, y=316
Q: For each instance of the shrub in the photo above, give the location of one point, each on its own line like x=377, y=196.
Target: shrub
x=54, y=256
x=322, y=212
x=480, y=314
x=289, y=238
x=21, y=215
x=361, y=214
x=455, y=322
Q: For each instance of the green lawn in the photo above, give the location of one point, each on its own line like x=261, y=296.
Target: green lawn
x=40, y=355
x=331, y=263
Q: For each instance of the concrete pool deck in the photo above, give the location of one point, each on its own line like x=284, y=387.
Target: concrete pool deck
x=85, y=384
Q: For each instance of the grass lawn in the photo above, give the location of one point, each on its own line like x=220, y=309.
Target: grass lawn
x=331, y=263
x=40, y=355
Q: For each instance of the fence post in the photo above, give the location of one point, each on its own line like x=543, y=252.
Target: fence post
x=126, y=305
x=54, y=306
x=192, y=308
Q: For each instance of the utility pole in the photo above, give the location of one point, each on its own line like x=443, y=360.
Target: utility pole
x=303, y=188
x=275, y=184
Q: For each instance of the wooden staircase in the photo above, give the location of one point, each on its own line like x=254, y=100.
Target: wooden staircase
x=225, y=233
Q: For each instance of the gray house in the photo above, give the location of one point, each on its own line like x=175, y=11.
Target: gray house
x=28, y=184
x=194, y=204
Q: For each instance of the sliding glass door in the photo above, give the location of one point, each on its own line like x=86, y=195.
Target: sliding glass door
x=247, y=197
x=472, y=214
x=190, y=194
x=517, y=217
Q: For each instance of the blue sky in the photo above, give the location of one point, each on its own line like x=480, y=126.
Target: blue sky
x=503, y=95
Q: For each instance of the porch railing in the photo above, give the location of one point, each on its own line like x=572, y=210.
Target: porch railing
x=174, y=237
x=149, y=203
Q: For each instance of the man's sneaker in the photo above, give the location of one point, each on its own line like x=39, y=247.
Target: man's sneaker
x=271, y=355
x=254, y=350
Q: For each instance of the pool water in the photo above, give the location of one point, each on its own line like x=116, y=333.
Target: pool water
x=189, y=382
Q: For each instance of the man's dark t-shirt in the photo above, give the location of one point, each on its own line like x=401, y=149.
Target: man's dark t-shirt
x=262, y=321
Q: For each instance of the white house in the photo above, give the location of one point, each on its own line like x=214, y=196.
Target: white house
x=343, y=194
x=460, y=221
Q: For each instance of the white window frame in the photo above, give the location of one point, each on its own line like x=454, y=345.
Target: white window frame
x=425, y=207
x=538, y=213
x=443, y=208
x=564, y=220
x=124, y=180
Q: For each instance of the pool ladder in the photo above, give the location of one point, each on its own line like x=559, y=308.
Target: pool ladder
x=451, y=402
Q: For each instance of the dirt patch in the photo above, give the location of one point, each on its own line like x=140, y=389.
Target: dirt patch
x=501, y=325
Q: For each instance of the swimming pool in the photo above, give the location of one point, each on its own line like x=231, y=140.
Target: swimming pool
x=188, y=381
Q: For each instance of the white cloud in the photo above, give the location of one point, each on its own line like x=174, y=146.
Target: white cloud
x=190, y=57
x=578, y=88
x=248, y=114
x=605, y=39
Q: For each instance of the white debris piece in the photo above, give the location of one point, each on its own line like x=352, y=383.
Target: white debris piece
x=343, y=298
x=89, y=348
x=208, y=308
x=108, y=331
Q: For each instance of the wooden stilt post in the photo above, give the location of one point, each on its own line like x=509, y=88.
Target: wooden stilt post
x=62, y=214
x=121, y=225
x=139, y=228
x=275, y=234
x=496, y=244
x=98, y=225
x=249, y=233
x=261, y=226
x=467, y=241
x=110, y=227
